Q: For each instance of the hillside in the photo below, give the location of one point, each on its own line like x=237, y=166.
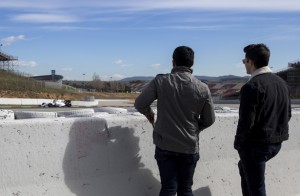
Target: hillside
x=203, y=78
x=16, y=86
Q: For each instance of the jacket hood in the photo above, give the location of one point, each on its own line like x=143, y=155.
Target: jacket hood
x=182, y=69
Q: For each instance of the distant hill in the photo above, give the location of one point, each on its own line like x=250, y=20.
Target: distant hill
x=223, y=78
x=203, y=78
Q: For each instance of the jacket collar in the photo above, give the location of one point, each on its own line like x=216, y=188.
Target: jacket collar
x=182, y=69
x=260, y=71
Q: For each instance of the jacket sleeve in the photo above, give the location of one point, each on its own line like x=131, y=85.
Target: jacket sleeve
x=207, y=116
x=249, y=107
x=290, y=109
x=146, y=98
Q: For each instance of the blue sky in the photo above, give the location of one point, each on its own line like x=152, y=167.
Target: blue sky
x=124, y=38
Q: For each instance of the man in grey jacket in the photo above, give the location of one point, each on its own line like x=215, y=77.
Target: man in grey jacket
x=184, y=108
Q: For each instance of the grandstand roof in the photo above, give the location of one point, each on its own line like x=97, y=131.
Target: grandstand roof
x=294, y=64
x=48, y=77
x=6, y=57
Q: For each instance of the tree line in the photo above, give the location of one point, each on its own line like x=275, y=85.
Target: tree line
x=97, y=85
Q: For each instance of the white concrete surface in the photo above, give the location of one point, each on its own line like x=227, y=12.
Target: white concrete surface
x=38, y=102
x=19, y=101
x=7, y=115
x=85, y=103
x=80, y=156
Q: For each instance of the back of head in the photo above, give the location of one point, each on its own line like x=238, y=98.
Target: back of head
x=183, y=56
x=259, y=54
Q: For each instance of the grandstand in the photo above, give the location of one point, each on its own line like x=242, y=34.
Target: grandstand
x=53, y=80
x=292, y=77
x=49, y=78
x=7, y=62
x=138, y=87
x=293, y=74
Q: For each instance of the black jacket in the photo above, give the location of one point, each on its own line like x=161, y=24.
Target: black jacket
x=265, y=110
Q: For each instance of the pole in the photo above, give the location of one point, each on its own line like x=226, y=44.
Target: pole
x=83, y=80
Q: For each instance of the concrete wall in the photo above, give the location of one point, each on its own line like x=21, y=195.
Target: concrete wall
x=82, y=157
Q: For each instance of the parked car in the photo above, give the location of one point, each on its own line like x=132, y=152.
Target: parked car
x=57, y=103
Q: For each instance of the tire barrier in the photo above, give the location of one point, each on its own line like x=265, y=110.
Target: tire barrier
x=76, y=113
x=30, y=114
x=111, y=110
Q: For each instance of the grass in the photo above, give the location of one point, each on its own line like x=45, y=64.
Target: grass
x=15, y=86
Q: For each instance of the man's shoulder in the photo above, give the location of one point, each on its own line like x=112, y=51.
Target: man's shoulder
x=199, y=82
x=161, y=76
x=266, y=79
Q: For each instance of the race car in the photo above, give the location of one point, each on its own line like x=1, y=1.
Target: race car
x=57, y=103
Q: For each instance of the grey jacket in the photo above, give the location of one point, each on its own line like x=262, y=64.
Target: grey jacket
x=184, y=108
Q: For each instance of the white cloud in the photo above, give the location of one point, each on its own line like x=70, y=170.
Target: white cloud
x=9, y=40
x=240, y=67
x=67, y=78
x=189, y=27
x=155, y=4
x=286, y=33
x=104, y=78
x=119, y=62
x=67, y=69
x=155, y=66
x=117, y=76
x=27, y=63
x=30, y=4
x=44, y=18
x=221, y=4
x=68, y=28
x=113, y=77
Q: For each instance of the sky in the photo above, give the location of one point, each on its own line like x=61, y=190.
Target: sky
x=116, y=39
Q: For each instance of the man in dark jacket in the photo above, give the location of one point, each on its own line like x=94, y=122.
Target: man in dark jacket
x=264, y=113
x=184, y=108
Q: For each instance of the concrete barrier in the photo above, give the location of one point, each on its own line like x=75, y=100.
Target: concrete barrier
x=80, y=156
x=47, y=156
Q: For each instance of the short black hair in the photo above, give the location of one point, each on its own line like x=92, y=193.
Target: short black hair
x=183, y=56
x=258, y=53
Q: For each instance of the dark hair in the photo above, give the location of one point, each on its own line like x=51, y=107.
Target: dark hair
x=183, y=56
x=258, y=53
